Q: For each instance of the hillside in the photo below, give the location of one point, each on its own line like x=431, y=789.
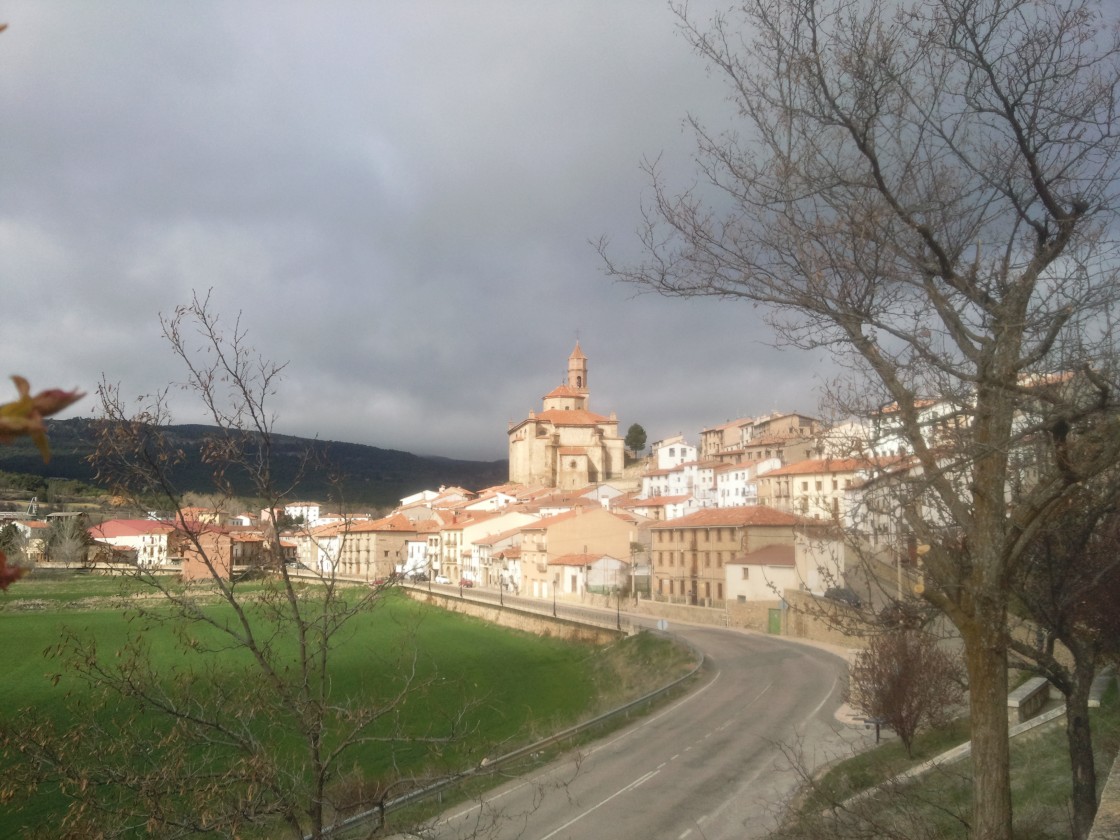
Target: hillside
x=370, y=475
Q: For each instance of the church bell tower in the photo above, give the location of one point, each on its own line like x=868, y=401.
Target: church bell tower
x=577, y=371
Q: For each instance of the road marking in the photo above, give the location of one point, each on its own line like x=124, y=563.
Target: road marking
x=647, y=721
x=820, y=705
x=617, y=793
x=551, y=768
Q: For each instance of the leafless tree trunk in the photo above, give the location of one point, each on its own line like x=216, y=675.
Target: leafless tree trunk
x=68, y=540
x=927, y=190
x=1067, y=590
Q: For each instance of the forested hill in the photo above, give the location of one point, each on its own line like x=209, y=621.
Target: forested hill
x=369, y=475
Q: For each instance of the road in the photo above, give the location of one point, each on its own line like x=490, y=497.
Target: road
x=710, y=766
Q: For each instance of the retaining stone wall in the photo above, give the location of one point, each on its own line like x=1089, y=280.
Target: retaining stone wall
x=540, y=625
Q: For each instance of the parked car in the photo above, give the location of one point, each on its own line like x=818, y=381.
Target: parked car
x=418, y=577
x=466, y=583
x=443, y=579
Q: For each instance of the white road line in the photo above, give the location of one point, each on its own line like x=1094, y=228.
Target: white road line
x=825, y=700
x=617, y=793
x=630, y=731
x=647, y=721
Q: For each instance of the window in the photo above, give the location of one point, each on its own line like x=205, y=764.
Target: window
x=819, y=486
x=804, y=486
x=742, y=599
x=746, y=573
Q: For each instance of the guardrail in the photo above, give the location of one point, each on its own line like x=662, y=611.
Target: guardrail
x=373, y=818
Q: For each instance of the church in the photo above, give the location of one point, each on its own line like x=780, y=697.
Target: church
x=566, y=445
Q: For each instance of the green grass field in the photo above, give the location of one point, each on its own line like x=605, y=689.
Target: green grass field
x=515, y=686
x=940, y=801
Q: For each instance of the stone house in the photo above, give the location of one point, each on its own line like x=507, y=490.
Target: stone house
x=689, y=555
x=373, y=550
x=592, y=531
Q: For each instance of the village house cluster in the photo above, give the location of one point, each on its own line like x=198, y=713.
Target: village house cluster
x=756, y=507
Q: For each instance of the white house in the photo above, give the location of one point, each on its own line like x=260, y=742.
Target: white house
x=606, y=575
x=36, y=534
x=672, y=452
x=416, y=558
x=152, y=541
x=762, y=574
x=735, y=485
x=814, y=562
x=319, y=548
x=476, y=537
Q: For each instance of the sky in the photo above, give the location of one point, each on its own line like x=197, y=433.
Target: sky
x=398, y=199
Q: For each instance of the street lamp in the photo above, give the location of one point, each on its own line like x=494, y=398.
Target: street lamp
x=920, y=586
x=555, y=584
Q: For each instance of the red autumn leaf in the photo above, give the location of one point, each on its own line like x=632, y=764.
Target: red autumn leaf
x=9, y=574
x=25, y=415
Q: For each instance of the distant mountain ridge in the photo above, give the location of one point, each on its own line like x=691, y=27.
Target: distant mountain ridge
x=369, y=475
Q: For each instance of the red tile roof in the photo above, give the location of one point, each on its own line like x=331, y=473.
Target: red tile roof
x=658, y=501
x=564, y=391
x=542, y=524
x=769, y=555
x=129, y=528
x=574, y=417
x=735, y=517
x=574, y=560
x=834, y=465
x=393, y=522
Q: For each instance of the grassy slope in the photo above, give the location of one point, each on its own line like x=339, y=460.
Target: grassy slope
x=940, y=801
x=520, y=685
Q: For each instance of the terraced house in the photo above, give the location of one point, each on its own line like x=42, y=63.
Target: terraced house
x=593, y=531
x=690, y=555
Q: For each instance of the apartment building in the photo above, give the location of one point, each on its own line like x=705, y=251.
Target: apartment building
x=690, y=554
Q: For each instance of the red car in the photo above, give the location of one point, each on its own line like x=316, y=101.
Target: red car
x=467, y=584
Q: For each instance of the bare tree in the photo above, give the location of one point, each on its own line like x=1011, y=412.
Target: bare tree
x=1066, y=591
x=907, y=681
x=927, y=190
x=68, y=541
x=15, y=545
x=198, y=748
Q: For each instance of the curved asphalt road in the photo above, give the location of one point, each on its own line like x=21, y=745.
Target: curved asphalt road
x=708, y=767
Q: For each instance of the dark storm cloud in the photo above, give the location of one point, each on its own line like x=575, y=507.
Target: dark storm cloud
x=398, y=198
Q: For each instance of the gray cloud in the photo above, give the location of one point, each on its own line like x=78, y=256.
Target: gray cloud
x=398, y=197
